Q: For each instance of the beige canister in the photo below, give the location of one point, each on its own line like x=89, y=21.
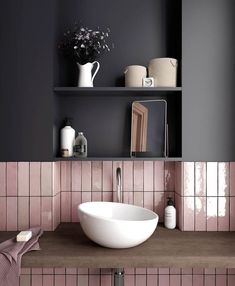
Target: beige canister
x=164, y=71
x=134, y=75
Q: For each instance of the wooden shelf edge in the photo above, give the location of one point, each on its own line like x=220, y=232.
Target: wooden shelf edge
x=173, y=159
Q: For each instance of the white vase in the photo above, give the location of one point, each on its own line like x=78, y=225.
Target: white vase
x=85, y=78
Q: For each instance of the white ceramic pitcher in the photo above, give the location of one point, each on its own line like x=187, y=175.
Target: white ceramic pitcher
x=86, y=78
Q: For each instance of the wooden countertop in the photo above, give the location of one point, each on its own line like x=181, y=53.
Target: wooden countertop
x=69, y=247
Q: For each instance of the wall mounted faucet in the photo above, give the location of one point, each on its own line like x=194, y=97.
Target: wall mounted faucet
x=119, y=185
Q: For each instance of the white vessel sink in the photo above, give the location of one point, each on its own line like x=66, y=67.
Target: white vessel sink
x=116, y=225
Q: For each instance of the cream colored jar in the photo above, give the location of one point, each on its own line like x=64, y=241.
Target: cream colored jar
x=134, y=75
x=164, y=71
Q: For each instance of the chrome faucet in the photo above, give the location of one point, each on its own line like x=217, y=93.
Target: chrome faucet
x=119, y=185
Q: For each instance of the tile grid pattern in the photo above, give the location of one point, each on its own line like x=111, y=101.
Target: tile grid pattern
x=133, y=277
x=205, y=196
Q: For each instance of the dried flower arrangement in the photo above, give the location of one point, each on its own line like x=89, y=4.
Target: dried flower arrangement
x=84, y=44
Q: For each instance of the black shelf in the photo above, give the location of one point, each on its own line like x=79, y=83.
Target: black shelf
x=176, y=159
x=119, y=90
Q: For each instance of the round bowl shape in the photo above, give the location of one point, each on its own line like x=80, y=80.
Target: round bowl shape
x=116, y=225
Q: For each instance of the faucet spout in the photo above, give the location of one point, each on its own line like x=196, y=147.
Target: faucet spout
x=119, y=185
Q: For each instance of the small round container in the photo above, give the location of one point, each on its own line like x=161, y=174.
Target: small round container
x=164, y=71
x=134, y=75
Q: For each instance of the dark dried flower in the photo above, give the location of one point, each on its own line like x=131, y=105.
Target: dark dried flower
x=84, y=44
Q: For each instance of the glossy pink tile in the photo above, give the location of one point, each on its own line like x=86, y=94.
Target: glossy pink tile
x=148, y=176
x=198, y=271
x=82, y=271
x=198, y=280
x=187, y=271
x=3, y=213
x=164, y=280
x=139, y=199
x=94, y=271
x=36, y=270
x=35, y=178
x=23, y=213
x=56, y=178
x=35, y=211
x=187, y=280
x=138, y=176
x=209, y=271
x=165, y=271
x=96, y=196
x=60, y=270
x=148, y=200
x=175, y=280
x=189, y=223
x=12, y=213
x=231, y=280
x=212, y=217
x=200, y=213
x=86, y=197
x=159, y=176
x=76, y=201
x=48, y=271
x=25, y=280
x=11, y=179
x=129, y=271
x=223, y=213
x=129, y=280
x=23, y=179
x=86, y=176
x=3, y=190
x=232, y=178
x=188, y=168
x=106, y=280
x=209, y=280
x=96, y=176
x=37, y=280
x=107, y=176
x=24, y=271
x=159, y=204
x=71, y=271
x=212, y=178
x=60, y=280
x=200, y=179
x=71, y=280
x=82, y=280
x=140, y=280
x=220, y=280
x=46, y=178
x=178, y=178
x=221, y=271
x=140, y=270
x=65, y=206
x=107, y=196
x=152, y=271
x=94, y=280
x=128, y=176
x=46, y=215
x=223, y=179
x=66, y=177
x=152, y=280
x=179, y=211
x=175, y=271
x=48, y=280
x=232, y=213
x=76, y=176
x=56, y=211
x=169, y=176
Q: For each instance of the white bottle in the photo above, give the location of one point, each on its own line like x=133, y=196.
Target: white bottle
x=67, y=138
x=80, y=146
x=170, y=215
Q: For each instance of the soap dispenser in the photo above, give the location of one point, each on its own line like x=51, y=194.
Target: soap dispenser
x=80, y=146
x=170, y=215
x=67, y=138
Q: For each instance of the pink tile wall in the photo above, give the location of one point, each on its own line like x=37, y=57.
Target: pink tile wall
x=205, y=196
x=133, y=277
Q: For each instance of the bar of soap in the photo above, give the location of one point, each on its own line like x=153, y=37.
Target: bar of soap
x=24, y=236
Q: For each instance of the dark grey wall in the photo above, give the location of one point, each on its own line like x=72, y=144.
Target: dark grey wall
x=208, y=99
x=26, y=79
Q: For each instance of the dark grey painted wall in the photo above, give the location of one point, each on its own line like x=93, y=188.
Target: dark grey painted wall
x=26, y=79
x=208, y=98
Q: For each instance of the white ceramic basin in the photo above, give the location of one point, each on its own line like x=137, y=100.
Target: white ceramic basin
x=116, y=225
